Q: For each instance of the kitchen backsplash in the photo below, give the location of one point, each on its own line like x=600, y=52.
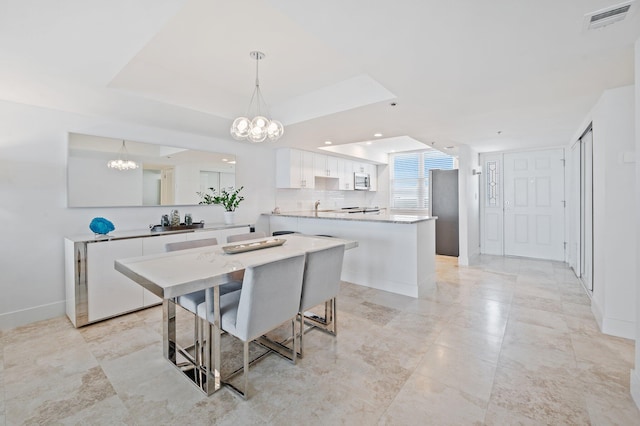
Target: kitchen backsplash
x=304, y=199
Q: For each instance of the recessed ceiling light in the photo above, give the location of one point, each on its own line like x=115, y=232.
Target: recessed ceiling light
x=377, y=135
x=232, y=162
x=369, y=143
x=328, y=142
x=224, y=159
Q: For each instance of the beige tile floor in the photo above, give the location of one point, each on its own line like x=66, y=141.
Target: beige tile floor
x=508, y=341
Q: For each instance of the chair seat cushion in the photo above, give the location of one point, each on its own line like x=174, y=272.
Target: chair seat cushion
x=191, y=301
x=228, y=310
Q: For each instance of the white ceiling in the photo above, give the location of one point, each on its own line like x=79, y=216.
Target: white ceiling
x=459, y=70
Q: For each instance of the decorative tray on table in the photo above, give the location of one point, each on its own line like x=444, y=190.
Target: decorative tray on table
x=241, y=248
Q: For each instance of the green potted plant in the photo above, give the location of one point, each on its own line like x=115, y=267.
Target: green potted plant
x=229, y=198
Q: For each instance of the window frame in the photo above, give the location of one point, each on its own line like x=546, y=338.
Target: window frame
x=422, y=188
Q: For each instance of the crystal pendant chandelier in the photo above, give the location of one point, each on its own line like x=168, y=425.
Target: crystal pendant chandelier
x=123, y=162
x=260, y=127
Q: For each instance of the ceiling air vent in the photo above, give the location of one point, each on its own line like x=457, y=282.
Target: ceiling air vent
x=607, y=16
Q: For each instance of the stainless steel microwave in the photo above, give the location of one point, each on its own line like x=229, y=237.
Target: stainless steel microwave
x=361, y=181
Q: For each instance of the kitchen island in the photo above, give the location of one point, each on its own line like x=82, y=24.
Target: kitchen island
x=396, y=252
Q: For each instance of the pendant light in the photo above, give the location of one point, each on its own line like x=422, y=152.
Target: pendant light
x=123, y=162
x=260, y=127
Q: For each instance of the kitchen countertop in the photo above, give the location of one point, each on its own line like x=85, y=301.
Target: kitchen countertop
x=382, y=216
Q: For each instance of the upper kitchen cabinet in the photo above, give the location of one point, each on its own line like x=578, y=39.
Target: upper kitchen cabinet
x=294, y=169
x=325, y=166
x=298, y=169
x=359, y=167
x=372, y=169
x=345, y=174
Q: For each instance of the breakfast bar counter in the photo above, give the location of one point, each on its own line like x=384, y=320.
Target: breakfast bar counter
x=396, y=253
x=373, y=216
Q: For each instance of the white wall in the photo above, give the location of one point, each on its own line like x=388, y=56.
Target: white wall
x=469, y=205
x=635, y=374
x=614, y=292
x=34, y=218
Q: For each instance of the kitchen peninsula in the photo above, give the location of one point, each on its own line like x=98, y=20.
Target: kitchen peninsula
x=396, y=252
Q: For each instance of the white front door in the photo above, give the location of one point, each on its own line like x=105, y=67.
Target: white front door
x=534, y=204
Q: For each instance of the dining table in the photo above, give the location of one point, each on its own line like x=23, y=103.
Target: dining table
x=172, y=274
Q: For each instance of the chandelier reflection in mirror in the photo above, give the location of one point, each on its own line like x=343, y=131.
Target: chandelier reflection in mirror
x=260, y=127
x=123, y=162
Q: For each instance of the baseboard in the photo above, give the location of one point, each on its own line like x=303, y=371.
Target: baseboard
x=612, y=326
x=15, y=319
x=597, y=312
x=619, y=328
x=470, y=260
x=635, y=387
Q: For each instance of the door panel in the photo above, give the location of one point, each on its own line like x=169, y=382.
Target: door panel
x=543, y=226
x=573, y=214
x=586, y=211
x=533, y=206
x=521, y=228
x=521, y=192
x=492, y=204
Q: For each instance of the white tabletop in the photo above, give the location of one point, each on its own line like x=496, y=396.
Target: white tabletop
x=176, y=273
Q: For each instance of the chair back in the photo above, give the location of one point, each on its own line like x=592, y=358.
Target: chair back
x=247, y=236
x=183, y=245
x=270, y=296
x=321, y=280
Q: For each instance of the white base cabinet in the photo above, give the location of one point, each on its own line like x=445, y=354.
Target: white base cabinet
x=96, y=291
x=111, y=292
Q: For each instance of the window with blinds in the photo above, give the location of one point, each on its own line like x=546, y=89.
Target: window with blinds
x=410, y=177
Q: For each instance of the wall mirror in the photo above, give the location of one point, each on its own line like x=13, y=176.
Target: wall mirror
x=165, y=175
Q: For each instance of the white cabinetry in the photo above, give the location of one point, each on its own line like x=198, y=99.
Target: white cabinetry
x=359, y=167
x=96, y=291
x=219, y=234
x=298, y=169
x=372, y=169
x=345, y=175
x=294, y=169
x=110, y=291
x=325, y=165
x=156, y=245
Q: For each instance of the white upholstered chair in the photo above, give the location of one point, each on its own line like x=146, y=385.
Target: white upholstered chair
x=321, y=284
x=191, y=301
x=270, y=296
x=244, y=237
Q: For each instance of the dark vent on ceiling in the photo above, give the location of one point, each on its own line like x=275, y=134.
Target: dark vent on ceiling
x=610, y=13
x=603, y=17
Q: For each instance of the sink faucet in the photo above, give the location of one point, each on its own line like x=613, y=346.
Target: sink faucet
x=316, y=205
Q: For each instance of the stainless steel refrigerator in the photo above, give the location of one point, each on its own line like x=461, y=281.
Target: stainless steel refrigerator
x=443, y=202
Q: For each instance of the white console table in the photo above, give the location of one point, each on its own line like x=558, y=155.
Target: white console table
x=96, y=291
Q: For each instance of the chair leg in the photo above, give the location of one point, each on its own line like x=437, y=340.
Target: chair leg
x=197, y=354
x=300, y=318
x=295, y=340
x=245, y=370
x=334, y=315
x=327, y=323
